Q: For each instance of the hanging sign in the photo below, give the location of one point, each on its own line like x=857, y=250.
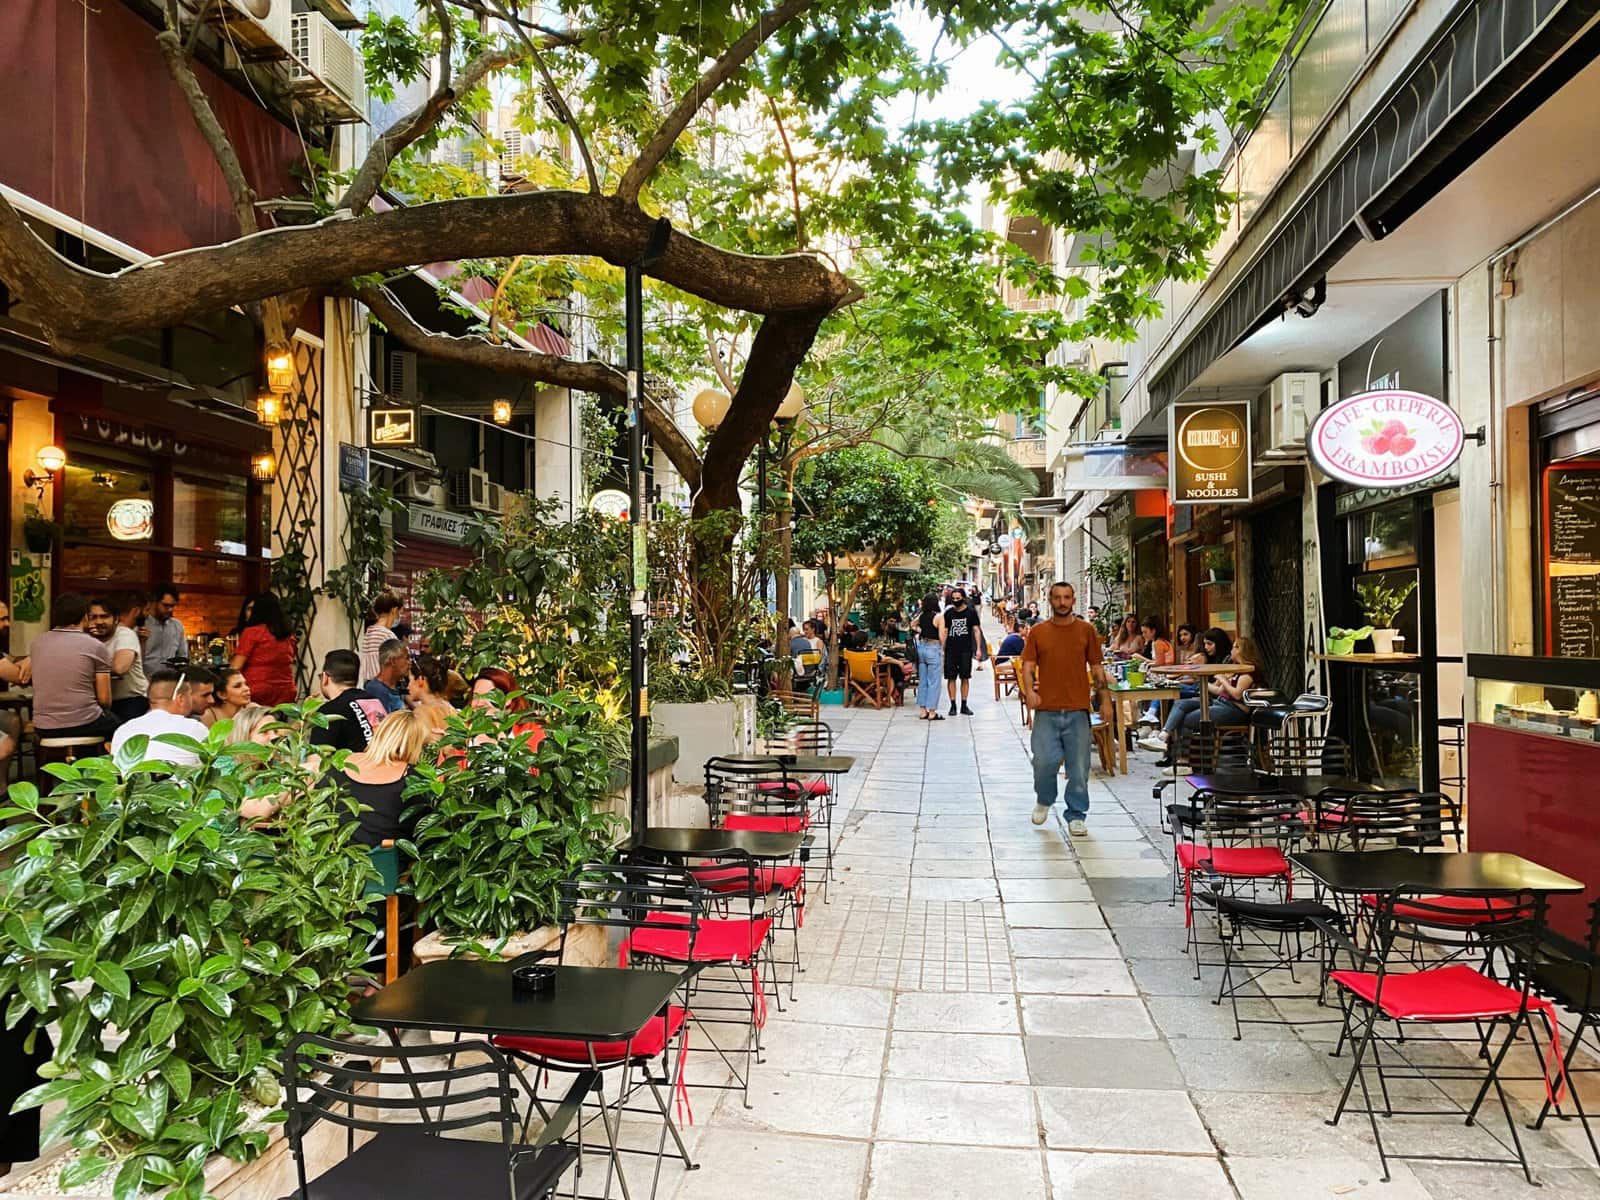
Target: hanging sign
x=610, y=502
x=391, y=427
x=1386, y=439
x=1209, y=452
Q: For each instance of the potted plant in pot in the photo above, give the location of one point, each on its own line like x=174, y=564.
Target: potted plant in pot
x=39, y=532
x=175, y=952
x=515, y=803
x=1382, y=604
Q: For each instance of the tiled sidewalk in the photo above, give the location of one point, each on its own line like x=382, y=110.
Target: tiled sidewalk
x=988, y=1013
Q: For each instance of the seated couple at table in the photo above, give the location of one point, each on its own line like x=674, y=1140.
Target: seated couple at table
x=1224, y=695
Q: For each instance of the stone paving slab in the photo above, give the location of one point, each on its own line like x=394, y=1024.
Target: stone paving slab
x=989, y=1011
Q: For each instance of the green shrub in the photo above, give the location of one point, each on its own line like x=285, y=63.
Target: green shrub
x=499, y=823
x=136, y=906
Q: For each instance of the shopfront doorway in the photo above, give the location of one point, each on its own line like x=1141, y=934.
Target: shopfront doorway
x=1277, y=609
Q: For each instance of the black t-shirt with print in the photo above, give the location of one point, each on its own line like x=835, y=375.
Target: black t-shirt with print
x=960, y=627
x=352, y=716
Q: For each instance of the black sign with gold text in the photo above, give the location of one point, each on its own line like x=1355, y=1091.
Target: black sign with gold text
x=392, y=427
x=1209, y=458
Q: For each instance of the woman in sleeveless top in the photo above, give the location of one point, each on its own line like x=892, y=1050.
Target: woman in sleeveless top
x=930, y=657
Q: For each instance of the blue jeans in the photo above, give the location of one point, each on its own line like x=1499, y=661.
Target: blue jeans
x=930, y=673
x=1222, y=713
x=1180, y=713
x=1062, y=737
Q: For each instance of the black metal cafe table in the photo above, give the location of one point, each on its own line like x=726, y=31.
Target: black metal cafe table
x=1360, y=872
x=593, y=1004
x=795, y=764
x=674, y=841
x=1307, y=787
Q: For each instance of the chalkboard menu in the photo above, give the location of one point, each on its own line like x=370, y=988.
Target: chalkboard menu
x=1572, y=559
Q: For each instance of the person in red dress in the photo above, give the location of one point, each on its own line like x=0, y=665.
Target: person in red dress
x=266, y=651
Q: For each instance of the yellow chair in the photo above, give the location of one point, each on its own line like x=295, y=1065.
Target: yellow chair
x=863, y=681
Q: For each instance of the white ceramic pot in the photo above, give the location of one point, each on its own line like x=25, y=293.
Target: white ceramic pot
x=1383, y=640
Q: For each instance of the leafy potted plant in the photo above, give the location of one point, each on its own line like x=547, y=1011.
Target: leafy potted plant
x=1218, y=561
x=39, y=532
x=513, y=804
x=1343, y=641
x=1382, y=604
x=175, y=952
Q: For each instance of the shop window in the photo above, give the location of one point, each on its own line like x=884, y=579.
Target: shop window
x=107, y=502
x=210, y=516
x=1383, y=536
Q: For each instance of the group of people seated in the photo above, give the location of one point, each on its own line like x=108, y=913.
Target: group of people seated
x=1218, y=697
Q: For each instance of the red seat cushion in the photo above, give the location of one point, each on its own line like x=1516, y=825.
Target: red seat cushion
x=737, y=879
x=717, y=940
x=1465, y=910
x=754, y=824
x=1440, y=994
x=1244, y=861
x=812, y=787
x=647, y=1043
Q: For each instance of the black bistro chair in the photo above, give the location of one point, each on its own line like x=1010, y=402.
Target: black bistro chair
x=1568, y=974
x=325, y=1079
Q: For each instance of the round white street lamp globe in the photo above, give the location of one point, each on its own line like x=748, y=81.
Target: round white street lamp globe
x=710, y=407
x=794, y=403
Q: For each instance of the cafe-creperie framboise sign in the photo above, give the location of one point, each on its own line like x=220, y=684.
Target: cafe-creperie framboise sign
x=1386, y=438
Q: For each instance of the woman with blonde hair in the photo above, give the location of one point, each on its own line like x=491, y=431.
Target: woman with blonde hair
x=376, y=777
x=253, y=723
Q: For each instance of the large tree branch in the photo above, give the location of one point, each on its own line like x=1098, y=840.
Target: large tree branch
x=419, y=121
x=734, y=57
x=72, y=304
x=777, y=349
x=530, y=364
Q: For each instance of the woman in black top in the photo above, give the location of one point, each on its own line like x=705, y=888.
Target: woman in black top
x=376, y=777
x=930, y=657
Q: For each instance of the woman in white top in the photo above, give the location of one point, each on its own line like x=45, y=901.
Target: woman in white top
x=381, y=619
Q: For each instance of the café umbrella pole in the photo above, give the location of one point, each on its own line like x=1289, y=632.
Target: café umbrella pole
x=638, y=599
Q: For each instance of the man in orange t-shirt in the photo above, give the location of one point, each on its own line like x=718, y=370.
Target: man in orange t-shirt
x=1056, y=662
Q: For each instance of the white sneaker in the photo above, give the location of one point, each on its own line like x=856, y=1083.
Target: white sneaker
x=1153, y=742
x=1078, y=828
x=1041, y=813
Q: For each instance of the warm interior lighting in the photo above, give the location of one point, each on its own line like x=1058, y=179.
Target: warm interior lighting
x=269, y=408
x=280, y=369
x=264, y=467
x=502, y=412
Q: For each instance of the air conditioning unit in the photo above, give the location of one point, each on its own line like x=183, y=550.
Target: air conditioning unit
x=325, y=63
x=1293, y=401
x=494, y=499
x=254, y=29
x=421, y=489
x=400, y=376
x=478, y=486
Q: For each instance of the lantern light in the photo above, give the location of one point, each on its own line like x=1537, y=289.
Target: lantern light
x=710, y=407
x=794, y=403
x=269, y=408
x=264, y=466
x=502, y=412
x=280, y=369
x=51, y=458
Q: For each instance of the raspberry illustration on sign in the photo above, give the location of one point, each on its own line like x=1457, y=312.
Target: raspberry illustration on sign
x=1394, y=437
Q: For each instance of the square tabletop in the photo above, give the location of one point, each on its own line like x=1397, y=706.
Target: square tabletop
x=798, y=764
x=683, y=842
x=467, y=996
x=1245, y=783
x=1362, y=871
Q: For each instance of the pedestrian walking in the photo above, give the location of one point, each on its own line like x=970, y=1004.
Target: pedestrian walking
x=962, y=643
x=1057, y=660
x=930, y=657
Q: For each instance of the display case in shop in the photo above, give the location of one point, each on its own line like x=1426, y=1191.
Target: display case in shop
x=1554, y=697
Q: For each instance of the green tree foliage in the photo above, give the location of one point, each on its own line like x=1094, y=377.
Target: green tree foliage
x=136, y=903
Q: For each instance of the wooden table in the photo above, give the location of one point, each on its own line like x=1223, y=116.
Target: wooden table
x=1206, y=670
x=1119, y=722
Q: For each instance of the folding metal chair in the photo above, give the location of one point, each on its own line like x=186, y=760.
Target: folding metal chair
x=1568, y=974
x=325, y=1079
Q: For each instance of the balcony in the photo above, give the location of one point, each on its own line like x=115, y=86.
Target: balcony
x=1027, y=452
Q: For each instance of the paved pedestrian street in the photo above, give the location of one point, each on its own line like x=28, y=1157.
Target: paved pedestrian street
x=989, y=1013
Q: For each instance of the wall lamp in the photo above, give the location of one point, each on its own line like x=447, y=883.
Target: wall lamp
x=50, y=459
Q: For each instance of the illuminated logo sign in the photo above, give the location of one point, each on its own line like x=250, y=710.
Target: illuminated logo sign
x=1209, y=456
x=392, y=427
x=131, y=520
x=1386, y=438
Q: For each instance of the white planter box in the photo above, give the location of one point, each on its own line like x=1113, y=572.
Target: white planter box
x=703, y=731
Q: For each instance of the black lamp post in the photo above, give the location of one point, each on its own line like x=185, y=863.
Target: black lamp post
x=638, y=596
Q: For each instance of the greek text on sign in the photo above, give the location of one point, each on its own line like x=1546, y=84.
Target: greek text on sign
x=1386, y=438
